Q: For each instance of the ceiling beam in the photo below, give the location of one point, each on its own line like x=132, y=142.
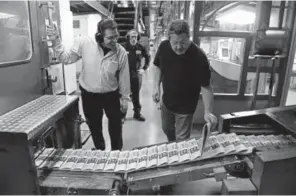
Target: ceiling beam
x=98, y=6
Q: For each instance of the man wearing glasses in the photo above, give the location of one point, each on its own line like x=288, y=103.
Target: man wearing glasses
x=104, y=80
x=138, y=60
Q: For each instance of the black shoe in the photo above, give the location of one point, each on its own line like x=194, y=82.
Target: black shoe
x=139, y=117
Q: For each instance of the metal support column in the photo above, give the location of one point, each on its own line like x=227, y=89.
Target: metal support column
x=257, y=77
x=179, y=9
x=263, y=11
x=197, y=13
x=136, y=21
x=290, y=23
x=186, y=10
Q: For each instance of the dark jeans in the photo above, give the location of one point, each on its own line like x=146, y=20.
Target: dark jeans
x=93, y=106
x=136, y=83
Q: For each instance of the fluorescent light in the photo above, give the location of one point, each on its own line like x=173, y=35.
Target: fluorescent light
x=124, y=3
x=238, y=17
x=5, y=15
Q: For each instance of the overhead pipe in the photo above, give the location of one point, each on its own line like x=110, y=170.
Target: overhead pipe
x=217, y=10
x=281, y=14
x=136, y=21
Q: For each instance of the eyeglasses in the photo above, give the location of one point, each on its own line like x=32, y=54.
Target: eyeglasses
x=114, y=37
x=134, y=37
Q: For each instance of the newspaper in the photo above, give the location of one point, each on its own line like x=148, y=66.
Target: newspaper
x=183, y=151
x=243, y=139
x=292, y=139
x=112, y=161
x=51, y=160
x=82, y=159
x=70, y=162
x=77, y=152
x=132, y=160
x=194, y=149
x=216, y=147
x=48, y=163
x=212, y=148
x=253, y=141
x=162, y=155
x=79, y=163
x=102, y=157
x=122, y=161
x=152, y=156
x=87, y=153
x=276, y=139
x=205, y=136
x=238, y=146
x=44, y=157
x=90, y=162
x=224, y=141
x=173, y=156
x=158, y=155
x=40, y=159
x=264, y=140
x=62, y=158
x=285, y=140
x=257, y=141
x=142, y=159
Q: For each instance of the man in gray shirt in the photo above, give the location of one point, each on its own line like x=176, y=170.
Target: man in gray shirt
x=104, y=80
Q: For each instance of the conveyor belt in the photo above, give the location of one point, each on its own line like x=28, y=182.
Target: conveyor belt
x=177, y=174
x=129, y=161
x=88, y=168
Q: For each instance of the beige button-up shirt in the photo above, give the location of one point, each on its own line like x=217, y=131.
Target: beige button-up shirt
x=100, y=73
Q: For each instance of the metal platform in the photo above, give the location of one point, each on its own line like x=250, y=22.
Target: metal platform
x=36, y=114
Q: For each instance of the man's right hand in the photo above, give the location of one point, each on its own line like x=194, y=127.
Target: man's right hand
x=156, y=94
x=52, y=32
x=123, y=105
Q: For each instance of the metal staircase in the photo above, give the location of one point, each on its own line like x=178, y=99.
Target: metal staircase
x=125, y=17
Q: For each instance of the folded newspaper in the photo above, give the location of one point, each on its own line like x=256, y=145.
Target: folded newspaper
x=205, y=136
x=193, y=149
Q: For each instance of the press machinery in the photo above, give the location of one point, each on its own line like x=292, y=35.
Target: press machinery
x=24, y=133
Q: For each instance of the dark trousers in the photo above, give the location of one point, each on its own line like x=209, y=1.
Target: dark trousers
x=177, y=127
x=93, y=106
x=136, y=82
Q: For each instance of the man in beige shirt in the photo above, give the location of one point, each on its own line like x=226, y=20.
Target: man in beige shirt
x=104, y=79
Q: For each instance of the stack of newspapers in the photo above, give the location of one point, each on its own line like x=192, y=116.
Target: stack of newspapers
x=208, y=146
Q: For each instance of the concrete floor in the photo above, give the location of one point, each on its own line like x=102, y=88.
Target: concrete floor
x=137, y=133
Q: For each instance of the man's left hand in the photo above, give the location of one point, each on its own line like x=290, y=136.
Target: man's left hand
x=123, y=105
x=211, y=119
x=141, y=71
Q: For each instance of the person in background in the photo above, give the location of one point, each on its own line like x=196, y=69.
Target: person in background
x=138, y=59
x=104, y=80
x=183, y=69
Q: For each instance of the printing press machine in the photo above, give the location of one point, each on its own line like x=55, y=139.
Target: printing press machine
x=267, y=170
